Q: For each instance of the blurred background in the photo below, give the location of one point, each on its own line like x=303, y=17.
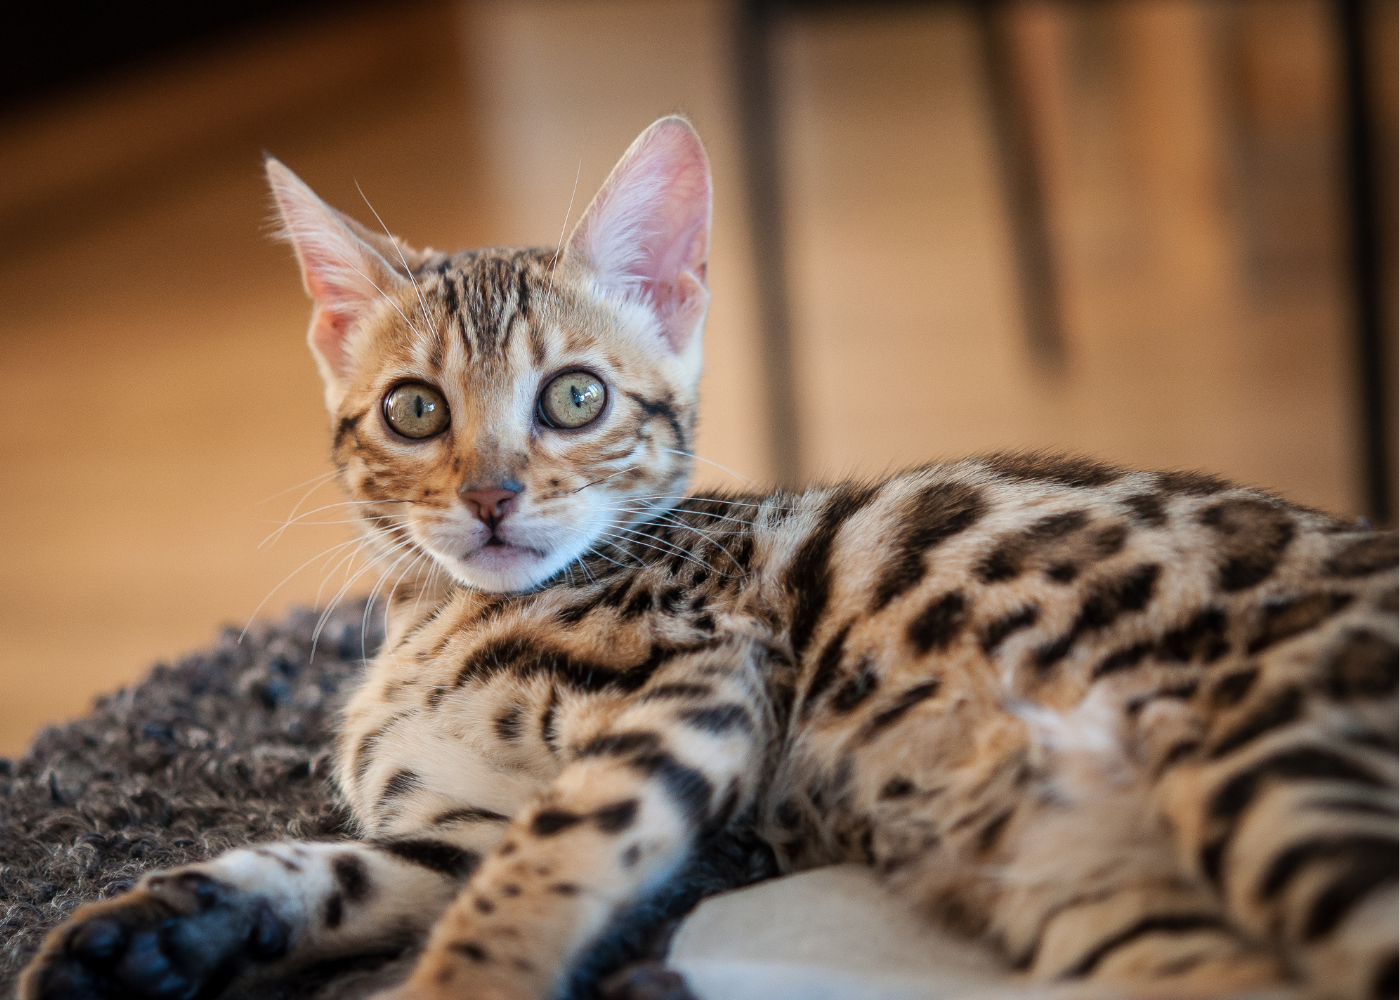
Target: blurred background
x=1159, y=231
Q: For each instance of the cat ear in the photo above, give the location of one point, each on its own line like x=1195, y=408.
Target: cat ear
x=344, y=274
x=646, y=235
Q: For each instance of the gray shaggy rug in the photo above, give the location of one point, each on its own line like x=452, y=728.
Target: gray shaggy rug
x=232, y=746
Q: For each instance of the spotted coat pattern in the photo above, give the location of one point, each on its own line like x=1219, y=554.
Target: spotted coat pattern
x=1132, y=728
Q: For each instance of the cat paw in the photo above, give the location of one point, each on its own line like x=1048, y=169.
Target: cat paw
x=180, y=935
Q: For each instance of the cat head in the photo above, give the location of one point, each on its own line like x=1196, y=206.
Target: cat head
x=504, y=411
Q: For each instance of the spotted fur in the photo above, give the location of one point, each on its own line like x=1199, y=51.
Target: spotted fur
x=1134, y=728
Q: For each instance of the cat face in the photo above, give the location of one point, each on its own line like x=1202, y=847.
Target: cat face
x=502, y=412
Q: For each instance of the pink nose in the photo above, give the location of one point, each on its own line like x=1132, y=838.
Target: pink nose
x=488, y=506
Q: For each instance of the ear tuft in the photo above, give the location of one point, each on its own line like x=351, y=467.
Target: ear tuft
x=646, y=236
x=342, y=272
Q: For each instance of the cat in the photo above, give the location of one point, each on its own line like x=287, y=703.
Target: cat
x=1137, y=730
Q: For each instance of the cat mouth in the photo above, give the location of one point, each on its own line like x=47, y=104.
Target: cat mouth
x=502, y=548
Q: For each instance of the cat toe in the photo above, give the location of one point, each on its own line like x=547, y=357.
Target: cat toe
x=179, y=936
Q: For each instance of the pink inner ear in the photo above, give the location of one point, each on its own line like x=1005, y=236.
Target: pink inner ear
x=342, y=273
x=650, y=224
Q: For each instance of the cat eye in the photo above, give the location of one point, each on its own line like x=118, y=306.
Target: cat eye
x=416, y=410
x=572, y=399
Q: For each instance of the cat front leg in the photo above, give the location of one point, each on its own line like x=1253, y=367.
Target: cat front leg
x=191, y=931
x=685, y=755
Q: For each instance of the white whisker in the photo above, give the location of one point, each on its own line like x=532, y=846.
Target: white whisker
x=560, y=245
x=399, y=251
x=690, y=454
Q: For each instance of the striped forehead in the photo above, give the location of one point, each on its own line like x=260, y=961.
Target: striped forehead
x=488, y=307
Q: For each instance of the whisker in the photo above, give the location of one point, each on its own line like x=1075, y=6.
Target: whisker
x=673, y=512
x=690, y=454
x=326, y=614
x=605, y=479
x=560, y=245
x=389, y=600
x=343, y=503
x=313, y=479
x=293, y=573
x=384, y=295
x=702, y=535
x=398, y=250
x=674, y=550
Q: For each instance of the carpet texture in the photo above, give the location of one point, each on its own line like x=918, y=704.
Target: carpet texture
x=232, y=746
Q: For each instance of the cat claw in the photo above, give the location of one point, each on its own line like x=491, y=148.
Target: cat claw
x=179, y=935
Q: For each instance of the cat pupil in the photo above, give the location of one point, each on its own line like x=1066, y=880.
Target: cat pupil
x=418, y=406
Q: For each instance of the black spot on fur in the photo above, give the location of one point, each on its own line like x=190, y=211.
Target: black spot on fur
x=808, y=576
x=469, y=814
x=1366, y=870
x=1253, y=536
x=525, y=659
x=548, y=822
x=551, y=709
x=436, y=855
x=401, y=782
x=335, y=910
x=989, y=834
x=939, y=623
x=1069, y=470
x=690, y=789
x=998, y=630
x=1285, y=618
x=1231, y=689
x=677, y=691
x=616, y=817
x=352, y=877
x=1235, y=795
x=897, y=788
x=1373, y=554
x=898, y=708
x=718, y=719
x=617, y=745
x=1362, y=665
x=933, y=515
x=1282, y=708
x=508, y=724
x=1202, y=638
x=1325, y=848
x=856, y=689
x=1002, y=563
x=1198, y=484
x=1178, y=692
x=1147, y=509
x=471, y=950
x=564, y=889
x=1105, y=603
x=1177, y=923
x=828, y=667
x=640, y=604
x=1123, y=659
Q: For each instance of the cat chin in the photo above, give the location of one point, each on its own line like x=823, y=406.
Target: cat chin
x=505, y=569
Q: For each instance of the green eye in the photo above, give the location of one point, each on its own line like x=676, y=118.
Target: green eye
x=416, y=410
x=572, y=400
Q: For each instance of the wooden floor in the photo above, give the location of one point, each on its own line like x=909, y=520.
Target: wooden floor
x=160, y=408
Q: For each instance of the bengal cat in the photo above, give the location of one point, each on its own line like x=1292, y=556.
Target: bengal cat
x=1136, y=729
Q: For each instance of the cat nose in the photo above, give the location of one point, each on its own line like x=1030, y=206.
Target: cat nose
x=489, y=505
